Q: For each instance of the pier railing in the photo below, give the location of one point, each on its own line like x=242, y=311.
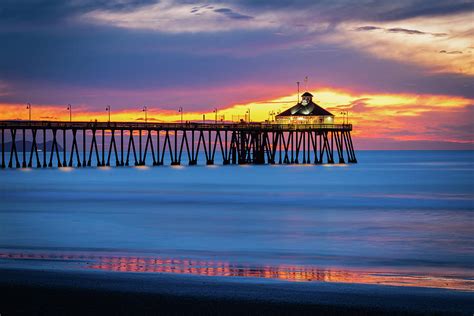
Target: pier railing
x=55, y=143
x=173, y=126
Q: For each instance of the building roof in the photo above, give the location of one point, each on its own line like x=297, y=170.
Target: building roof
x=311, y=109
x=306, y=94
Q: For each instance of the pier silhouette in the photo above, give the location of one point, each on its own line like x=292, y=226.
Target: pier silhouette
x=82, y=144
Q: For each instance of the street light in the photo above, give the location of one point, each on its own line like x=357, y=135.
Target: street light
x=346, y=114
x=145, y=109
x=248, y=112
x=28, y=107
x=298, y=85
x=215, y=111
x=107, y=108
x=180, y=110
x=272, y=115
x=69, y=108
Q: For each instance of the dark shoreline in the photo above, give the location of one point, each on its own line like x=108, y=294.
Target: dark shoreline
x=36, y=292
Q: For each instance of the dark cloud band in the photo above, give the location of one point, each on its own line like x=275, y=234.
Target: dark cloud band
x=399, y=30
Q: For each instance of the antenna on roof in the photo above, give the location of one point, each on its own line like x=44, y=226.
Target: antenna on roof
x=306, y=83
x=298, y=85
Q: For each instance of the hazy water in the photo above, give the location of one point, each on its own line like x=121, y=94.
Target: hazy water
x=406, y=213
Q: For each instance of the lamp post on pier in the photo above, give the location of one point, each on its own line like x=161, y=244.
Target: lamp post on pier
x=345, y=117
x=180, y=110
x=69, y=108
x=298, y=85
x=107, y=108
x=272, y=115
x=145, y=109
x=248, y=112
x=28, y=107
x=215, y=111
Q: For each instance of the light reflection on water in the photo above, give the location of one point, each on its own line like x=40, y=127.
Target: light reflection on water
x=292, y=273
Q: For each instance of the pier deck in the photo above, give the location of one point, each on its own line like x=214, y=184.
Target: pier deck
x=60, y=144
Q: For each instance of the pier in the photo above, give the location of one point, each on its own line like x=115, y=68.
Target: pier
x=42, y=144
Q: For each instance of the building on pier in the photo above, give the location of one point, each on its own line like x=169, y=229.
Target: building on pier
x=305, y=112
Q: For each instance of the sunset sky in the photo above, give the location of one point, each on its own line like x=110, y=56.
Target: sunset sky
x=403, y=69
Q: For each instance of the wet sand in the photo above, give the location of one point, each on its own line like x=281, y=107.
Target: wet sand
x=37, y=292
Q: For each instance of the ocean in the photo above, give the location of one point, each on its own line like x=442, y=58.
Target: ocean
x=402, y=218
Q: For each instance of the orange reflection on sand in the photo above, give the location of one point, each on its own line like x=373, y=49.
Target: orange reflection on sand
x=293, y=273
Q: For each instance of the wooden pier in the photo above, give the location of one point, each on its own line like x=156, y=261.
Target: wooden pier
x=70, y=144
